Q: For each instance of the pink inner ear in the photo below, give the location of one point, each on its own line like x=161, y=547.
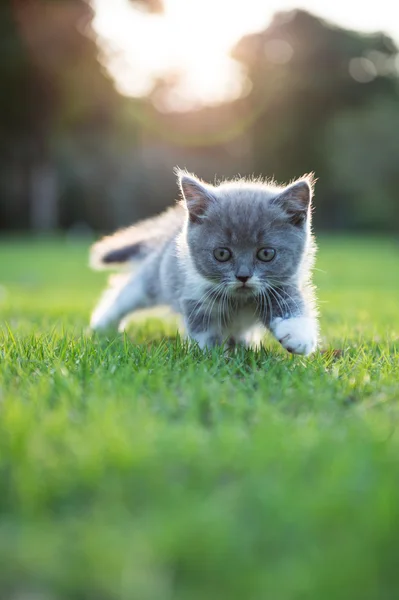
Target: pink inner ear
x=197, y=196
x=303, y=193
x=191, y=190
x=296, y=198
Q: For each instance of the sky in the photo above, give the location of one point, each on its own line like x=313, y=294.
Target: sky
x=192, y=39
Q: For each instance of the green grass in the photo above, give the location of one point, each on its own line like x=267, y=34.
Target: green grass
x=132, y=468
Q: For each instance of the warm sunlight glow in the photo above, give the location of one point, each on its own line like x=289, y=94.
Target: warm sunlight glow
x=191, y=41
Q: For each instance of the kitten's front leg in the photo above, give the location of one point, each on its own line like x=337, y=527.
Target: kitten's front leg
x=206, y=339
x=296, y=334
x=292, y=321
x=200, y=325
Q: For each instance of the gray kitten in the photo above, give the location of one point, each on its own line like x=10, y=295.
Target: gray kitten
x=231, y=259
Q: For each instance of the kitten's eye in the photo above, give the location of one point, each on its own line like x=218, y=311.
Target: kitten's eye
x=222, y=254
x=266, y=254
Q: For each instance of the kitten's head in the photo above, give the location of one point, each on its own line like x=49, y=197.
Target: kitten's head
x=247, y=235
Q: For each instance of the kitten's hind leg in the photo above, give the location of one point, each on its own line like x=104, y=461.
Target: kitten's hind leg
x=121, y=299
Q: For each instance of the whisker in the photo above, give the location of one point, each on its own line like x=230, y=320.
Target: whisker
x=203, y=301
x=278, y=300
x=219, y=289
x=200, y=302
x=284, y=290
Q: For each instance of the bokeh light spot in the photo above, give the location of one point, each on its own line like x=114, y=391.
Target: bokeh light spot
x=362, y=69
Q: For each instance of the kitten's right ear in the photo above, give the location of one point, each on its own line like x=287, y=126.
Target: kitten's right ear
x=198, y=196
x=296, y=198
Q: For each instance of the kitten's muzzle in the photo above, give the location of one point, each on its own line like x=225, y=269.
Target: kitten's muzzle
x=244, y=287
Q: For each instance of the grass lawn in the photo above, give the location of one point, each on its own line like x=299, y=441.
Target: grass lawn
x=134, y=469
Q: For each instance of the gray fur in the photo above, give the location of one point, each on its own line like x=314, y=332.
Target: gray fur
x=222, y=301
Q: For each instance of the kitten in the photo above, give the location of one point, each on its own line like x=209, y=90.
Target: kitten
x=230, y=258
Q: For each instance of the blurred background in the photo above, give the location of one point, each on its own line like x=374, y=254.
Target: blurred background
x=100, y=100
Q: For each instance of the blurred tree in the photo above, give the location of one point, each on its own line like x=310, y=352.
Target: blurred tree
x=305, y=71
x=53, y=86
x=362, y=165
x=15, y=114
x=73, y=150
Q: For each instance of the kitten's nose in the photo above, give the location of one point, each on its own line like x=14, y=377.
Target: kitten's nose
x=241, y=278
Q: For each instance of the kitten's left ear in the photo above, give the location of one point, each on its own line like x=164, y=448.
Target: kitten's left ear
x=198, y=196
x=296, y=199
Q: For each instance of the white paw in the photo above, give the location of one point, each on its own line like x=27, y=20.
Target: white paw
x=101, y=322
x=297, y=335
x=207, y=340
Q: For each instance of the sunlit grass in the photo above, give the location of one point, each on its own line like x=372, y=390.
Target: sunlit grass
x=133, y=467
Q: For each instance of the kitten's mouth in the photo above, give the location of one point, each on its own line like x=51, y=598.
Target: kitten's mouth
x=243, y=289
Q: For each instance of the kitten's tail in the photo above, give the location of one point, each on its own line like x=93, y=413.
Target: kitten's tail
x=137, y=242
